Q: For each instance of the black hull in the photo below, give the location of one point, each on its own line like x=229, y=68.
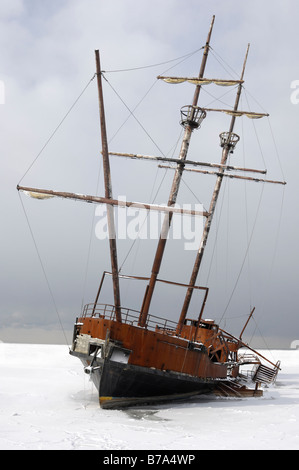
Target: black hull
x=123, y=385
x=126, y=385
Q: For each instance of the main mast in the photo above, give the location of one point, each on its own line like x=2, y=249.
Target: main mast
x=226, y=150
x=193, y=110
x=108, y=193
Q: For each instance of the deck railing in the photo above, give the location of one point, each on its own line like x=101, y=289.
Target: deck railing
x=129, y=316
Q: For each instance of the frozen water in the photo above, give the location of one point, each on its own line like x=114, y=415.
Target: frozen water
x=47, y=402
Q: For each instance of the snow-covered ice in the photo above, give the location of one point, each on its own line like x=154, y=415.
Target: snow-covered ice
x=47, y=402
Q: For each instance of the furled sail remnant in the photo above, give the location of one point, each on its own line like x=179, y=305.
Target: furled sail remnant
x=200, y=81
x=238, y=113
x=208, y=81
x=36, y=195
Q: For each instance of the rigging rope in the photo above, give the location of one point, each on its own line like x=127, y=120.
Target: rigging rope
x=90, y=242
x=152, y=200
x=246, y=209
x=132, y=114
x=57, y=127
x=218, y=99
x=272, y=134
x=273, y=258
x=245, y=256
x=218, y=219
x=255, y=131
x=276, y=149
x=218, y=58
x=249, y=237
x=184, y=57
x=44, y=272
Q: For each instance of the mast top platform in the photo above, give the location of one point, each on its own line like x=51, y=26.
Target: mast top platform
x=192, y=116
x=229, y=140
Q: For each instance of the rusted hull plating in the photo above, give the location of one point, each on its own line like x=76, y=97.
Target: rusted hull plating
x=123, y=385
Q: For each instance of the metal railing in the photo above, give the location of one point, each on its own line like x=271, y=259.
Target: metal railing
x=129, y=316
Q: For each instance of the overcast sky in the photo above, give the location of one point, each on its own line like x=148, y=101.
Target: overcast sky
x=47, y=60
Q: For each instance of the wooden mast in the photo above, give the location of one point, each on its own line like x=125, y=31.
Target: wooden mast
x=108, y=193
x=211, y=211
x=251, y=313
x=173, y=195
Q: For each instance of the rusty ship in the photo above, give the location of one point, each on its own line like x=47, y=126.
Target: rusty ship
x=132, y=356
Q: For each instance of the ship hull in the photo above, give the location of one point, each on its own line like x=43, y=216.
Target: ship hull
x=132, y=365
x=122, y=385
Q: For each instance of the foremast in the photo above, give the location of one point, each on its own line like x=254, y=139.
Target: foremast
x=227, y=148
x=189, y=126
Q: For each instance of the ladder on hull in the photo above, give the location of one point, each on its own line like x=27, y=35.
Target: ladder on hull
x=265, y=374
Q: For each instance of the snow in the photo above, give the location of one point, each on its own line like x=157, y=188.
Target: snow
x=48, y=403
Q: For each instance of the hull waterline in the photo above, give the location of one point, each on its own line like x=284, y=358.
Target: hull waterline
x=123, y=385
